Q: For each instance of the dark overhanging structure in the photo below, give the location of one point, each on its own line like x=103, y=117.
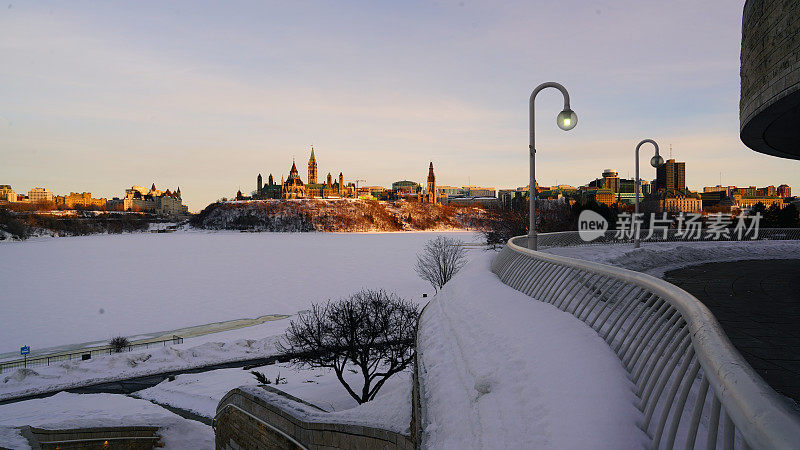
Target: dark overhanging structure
x=769, y=109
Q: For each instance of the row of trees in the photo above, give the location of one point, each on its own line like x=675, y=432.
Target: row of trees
x=22, y=226
x=777, y=217
x=501, y=224
x=45, y=205
x=331, y=215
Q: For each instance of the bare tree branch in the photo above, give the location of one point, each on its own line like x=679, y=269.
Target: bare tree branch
x=372, y=330
x=439, y=260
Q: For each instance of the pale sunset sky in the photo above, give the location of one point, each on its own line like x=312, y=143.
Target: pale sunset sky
x=99, y=96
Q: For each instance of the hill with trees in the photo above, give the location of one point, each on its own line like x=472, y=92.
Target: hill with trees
x=335, y=215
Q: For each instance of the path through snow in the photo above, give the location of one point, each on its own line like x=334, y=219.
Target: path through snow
x=500, y=369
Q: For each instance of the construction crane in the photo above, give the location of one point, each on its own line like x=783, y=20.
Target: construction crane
x=357, y=186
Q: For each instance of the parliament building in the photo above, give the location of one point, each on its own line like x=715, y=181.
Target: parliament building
x=293, y=187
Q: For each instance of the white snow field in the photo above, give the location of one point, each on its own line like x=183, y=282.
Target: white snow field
x=656, y=258
x=65, y=411
x=502, y=370
x=57, y=291
x=288, y=283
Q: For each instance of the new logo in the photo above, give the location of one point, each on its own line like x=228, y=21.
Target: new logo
x=591, y=225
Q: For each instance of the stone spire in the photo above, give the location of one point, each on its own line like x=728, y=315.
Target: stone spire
x=312, y=168
x=430, y=195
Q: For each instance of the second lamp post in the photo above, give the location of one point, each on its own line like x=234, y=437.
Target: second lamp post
x=655, y=161
x=566, y=120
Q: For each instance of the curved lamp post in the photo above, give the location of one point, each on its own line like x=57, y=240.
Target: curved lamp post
x=655, y=161
x=566, y=120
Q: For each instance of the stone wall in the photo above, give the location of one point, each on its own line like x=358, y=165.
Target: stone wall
x=770, y=76
x=123, y=438
x=290, y=421
x=770, y=54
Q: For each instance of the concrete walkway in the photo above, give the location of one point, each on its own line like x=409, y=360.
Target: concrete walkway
x=757, y=302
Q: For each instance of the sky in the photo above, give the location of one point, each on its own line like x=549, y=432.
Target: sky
x=100, y=96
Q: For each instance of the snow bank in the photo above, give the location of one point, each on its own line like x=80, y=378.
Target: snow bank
x=390, y=410
x=499, y=369
x=11, y=437
x=65, y=410
x=202, y=392
x=656, y=258
x=119, y=366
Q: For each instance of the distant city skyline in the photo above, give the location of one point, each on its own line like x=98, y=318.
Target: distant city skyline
x=246, y=190
x=100, y=96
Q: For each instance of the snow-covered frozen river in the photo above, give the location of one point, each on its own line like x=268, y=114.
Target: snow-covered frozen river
x=57, y=291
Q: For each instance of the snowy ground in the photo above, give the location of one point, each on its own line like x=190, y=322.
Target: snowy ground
x=498, y=366
x=201, y=393
x=499, y=369
x=390, y=410
x=194, y=352
x=65, y=410
x=281, y=284
x=657, y=258
x=91, y=288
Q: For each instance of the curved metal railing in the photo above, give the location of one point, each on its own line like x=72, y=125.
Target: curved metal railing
x=573, y=238
x=694, y=386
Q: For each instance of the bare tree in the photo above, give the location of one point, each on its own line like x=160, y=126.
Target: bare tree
x=439, y=260
x=371, y=330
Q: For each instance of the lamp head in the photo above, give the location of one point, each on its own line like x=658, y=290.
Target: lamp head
x=567, y=119
x=656, y=161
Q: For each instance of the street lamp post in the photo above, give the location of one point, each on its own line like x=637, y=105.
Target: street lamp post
x=566, y=120
x=655, y=161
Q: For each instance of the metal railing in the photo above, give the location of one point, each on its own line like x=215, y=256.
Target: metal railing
x=46, y=360
x=260, y=422
x=694, y=387
x=572, y=238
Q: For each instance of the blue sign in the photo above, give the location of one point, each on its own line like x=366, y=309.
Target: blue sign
x=24, y=350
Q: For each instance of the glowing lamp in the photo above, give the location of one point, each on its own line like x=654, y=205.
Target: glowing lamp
x=567, y=119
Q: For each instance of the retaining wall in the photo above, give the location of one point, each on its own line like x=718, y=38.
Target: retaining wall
x=292, y=424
